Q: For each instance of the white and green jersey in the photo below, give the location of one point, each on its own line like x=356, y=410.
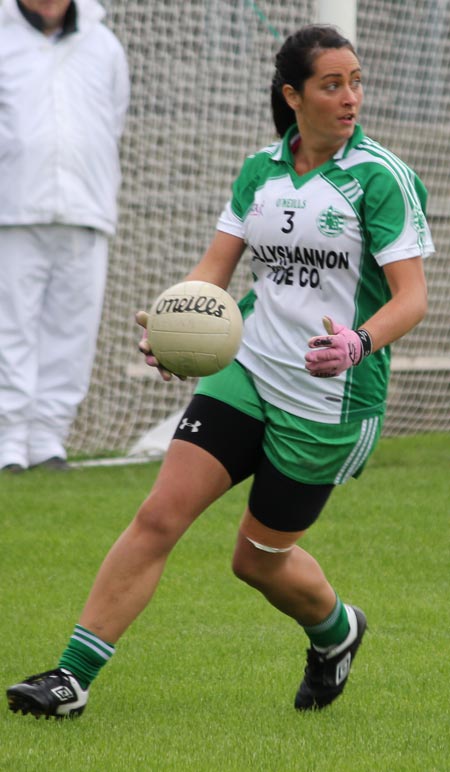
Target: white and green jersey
x=317, y=244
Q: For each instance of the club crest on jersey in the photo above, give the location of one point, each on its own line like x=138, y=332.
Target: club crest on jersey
x=330, y=222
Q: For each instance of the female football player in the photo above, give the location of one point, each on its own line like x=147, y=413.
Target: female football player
x=333, y=228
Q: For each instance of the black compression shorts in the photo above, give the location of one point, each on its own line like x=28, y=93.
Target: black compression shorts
x=235, y=439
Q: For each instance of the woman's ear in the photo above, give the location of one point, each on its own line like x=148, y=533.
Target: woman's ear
x=291, y=96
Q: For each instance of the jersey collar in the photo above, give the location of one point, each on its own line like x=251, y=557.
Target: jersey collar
x=286, y=148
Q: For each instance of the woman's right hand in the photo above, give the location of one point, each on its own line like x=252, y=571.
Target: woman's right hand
x=145, y=348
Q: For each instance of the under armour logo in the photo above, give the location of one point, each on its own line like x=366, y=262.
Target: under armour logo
x=193, y=427
x=63, y=693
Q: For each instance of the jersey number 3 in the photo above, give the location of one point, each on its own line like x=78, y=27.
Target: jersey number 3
x=289, y=221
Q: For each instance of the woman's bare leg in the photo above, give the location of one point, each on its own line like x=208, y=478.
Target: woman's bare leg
x=190, y=479
x=291, y=579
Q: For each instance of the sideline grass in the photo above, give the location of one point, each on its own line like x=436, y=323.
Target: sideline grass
x=204, y=681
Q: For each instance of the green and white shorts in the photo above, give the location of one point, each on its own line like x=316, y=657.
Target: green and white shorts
x=295, y=462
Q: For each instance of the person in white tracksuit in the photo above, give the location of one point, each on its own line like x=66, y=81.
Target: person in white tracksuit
x=64, y=94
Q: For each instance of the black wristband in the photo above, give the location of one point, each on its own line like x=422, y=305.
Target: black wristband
x=366, y=342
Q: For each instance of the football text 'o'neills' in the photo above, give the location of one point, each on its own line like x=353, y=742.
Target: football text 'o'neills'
x=185, y=304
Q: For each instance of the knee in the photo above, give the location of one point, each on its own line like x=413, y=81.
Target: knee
x=156, y=520
x=245, y=566
x=242, y=571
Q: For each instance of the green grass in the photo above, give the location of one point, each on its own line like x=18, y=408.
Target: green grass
x=204, y=680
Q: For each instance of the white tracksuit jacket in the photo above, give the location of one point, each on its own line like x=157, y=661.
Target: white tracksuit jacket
x=62, y=111
x=58, y=137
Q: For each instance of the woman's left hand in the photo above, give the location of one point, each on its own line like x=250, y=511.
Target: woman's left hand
x=333, y=353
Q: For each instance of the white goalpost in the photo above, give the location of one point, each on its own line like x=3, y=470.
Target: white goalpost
x=341, y=14
x=201, y=73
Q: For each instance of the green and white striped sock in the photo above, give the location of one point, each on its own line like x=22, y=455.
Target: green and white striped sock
x=85, y=655
x=332, y=630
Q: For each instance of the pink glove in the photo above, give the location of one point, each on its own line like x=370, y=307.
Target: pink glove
x=340, y=349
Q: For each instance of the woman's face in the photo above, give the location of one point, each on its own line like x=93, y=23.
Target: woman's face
x=328, y=108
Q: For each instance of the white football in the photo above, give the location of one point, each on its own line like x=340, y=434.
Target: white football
x=194, y=328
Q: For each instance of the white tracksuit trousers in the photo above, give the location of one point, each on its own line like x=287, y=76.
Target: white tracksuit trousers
x=52, y=281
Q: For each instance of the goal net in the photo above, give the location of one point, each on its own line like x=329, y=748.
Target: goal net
x=201, y=73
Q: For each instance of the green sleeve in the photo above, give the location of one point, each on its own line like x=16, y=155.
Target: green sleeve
x=422, y=193
x=384, y=211
x=243, y=189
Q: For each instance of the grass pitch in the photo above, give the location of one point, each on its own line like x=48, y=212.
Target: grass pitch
x=204, y=681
